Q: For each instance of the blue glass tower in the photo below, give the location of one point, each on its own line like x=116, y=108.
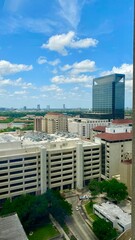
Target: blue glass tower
x=109, y=95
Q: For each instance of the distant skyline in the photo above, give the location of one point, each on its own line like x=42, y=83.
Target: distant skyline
x=50, y=50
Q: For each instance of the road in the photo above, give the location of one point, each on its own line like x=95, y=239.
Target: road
x=77, y=224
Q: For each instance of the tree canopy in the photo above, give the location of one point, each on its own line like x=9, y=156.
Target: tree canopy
x=94, y=187
x=34, y=210
x=58, y=206
x=104, y=230
x=114, y=189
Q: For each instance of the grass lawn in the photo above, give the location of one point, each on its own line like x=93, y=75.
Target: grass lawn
x=44, y=233
x=89, y=209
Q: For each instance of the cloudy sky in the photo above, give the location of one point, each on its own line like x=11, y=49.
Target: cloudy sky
x=50, y=50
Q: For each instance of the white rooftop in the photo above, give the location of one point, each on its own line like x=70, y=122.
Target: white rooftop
x=114, y=213
x=11, y=228
x=38, y=139
x=8, y=137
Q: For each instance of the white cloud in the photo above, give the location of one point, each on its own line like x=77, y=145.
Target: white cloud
x=39, y=25
x=13, y=24
x=54, y=71
x=84, y=43
x=55, y=62
x=125, y=68
x=66, y=67
x=7, y=68
x=16, y=83
x=5, y=82
x=75, y=88
x=80, y=67
x=59, y=43
x=71, y=79
x=3, y=92
x=88, y=85
x=41, y=60
x=129, y=85
x=20, y=92
x=51, y=88
x=70, y=10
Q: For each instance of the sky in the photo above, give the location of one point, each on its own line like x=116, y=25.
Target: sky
x=50, y=50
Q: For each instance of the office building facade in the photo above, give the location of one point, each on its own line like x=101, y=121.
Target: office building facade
x=55, y=122
x=38, y=123
x=109, y=96
x=35, y=167
x=83, y=126
x=115, y=148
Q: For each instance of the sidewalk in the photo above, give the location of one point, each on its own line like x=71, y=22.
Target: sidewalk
x=60, y=229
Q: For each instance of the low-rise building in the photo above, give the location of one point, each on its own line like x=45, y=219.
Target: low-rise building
x=11, y=228
x=114, y=214
x=83, y=126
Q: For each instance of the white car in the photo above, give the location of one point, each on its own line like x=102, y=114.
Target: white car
x=77, y=208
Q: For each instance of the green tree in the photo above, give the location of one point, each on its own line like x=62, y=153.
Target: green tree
x=58, y=206
x=116, y=190
x=32, y=210
x=104, y=230
x=94, y=187
x=104, y=185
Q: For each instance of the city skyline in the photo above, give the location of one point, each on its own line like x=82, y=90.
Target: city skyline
x=51, y=51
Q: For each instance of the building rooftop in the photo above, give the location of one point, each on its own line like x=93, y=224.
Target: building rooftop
x=8, y=137
x=122, y=121
x=11, y=228
x=99, y=128
x=41, y=136
x=112, y=137
x=36, y=137
x=33, y=141
x=114, y=213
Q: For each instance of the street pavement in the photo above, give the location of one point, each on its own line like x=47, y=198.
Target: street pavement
x=77, y=222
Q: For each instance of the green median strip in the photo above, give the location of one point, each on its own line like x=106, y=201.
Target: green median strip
x=89, y=210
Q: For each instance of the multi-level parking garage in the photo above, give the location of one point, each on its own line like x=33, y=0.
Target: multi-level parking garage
x=35, y=162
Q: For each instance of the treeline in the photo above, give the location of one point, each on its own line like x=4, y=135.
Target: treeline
x=12, y=114
x=33, y=211
x=114, y=190
x=29, y=127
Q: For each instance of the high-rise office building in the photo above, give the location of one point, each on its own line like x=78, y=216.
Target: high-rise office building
x=38, y=107
x=109, y=95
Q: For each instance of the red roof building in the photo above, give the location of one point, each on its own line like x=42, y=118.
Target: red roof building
x=122, y=121
x=99, y=129
x=115, y=137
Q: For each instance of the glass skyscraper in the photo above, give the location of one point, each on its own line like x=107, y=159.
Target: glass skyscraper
x=109, y=95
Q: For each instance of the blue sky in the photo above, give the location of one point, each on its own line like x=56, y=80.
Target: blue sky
x=50, y=50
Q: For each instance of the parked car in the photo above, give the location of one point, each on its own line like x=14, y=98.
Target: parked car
x=84, y=197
